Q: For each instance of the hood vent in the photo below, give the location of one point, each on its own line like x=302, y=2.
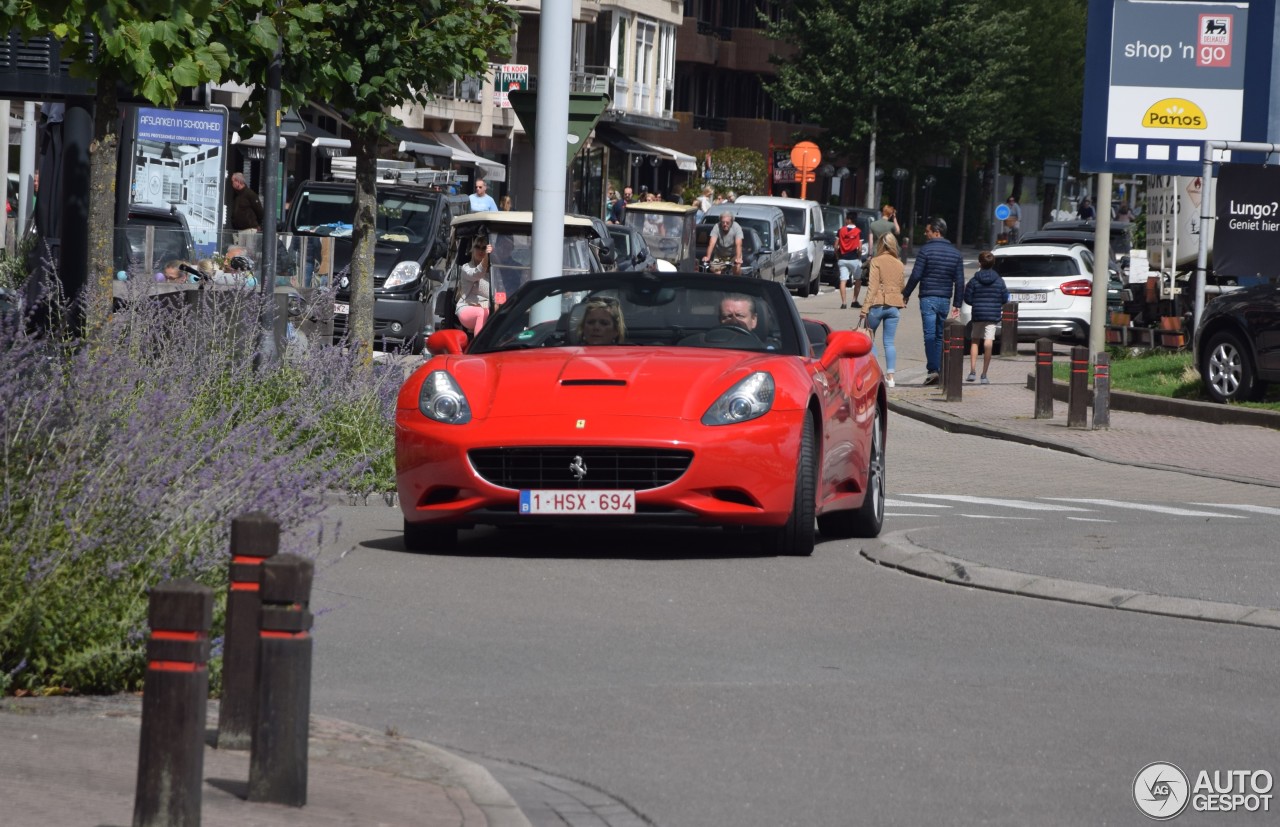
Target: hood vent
x=613, y=383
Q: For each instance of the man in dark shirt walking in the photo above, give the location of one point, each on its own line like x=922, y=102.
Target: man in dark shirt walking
x=246, y=212
x=939, y=271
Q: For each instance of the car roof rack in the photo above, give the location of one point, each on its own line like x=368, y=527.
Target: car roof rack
x=396, y=172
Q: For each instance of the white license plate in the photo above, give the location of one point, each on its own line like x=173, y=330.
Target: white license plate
x=342, y=308
x=550, y=501
x=1029, y=297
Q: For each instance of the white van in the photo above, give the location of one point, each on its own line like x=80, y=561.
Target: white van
x=804, y=239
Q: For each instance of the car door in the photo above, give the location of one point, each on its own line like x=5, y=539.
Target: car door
x=781, y=255
x=815, y=229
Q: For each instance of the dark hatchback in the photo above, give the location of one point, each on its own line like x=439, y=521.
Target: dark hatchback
x=631, y=250
x=1237, y=345
x=412, y=239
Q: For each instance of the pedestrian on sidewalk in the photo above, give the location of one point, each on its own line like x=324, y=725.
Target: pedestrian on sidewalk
x=849, y=250
x=939, y=272
x=884, y=299
x=987, y=295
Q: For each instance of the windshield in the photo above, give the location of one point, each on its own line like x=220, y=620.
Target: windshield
x=695, y=311
x=664, y=234
x=795, y=219
x=512, y=258
x=402, y=219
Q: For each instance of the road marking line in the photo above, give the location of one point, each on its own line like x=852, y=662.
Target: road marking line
x=996, y=517
x=1090, y=520
x=1256, y=509
x=889, y=501
x=1158, y=509
x=1025, y=505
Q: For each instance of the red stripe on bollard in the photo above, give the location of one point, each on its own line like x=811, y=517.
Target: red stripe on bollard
x=160, y=634
x=286, y=635
x=175, y=666
x=243, y=587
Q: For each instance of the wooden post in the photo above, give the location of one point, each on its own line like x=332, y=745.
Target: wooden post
x=1009, y=330
x=1078, y=389
x=254, y=538
x=953, y=365
x=278, y=758
x=174, y=702
x=1102, y=391
x=1044, y=379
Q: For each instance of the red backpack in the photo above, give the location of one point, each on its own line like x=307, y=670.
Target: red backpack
x=849, y=240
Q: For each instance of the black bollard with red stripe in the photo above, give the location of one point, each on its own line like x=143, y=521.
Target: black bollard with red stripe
x=1102, y=391
x=1078, y=389
x=278, y=757
x=1044, y=379
x=1009, y=330
x=953, y=365
x=254, y=538
x=175, y=699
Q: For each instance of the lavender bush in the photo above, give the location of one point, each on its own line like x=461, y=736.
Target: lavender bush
x=123, y=460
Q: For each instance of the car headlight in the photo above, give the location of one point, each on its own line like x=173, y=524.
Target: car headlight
x=749, y=399
x=442, y=400
x=403, y=273
x=798, y=256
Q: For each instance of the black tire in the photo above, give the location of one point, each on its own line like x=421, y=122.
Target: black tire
x=803, y=290
x=1228, y=372
x=420, y=537
x=815, y=286
x=796, y=538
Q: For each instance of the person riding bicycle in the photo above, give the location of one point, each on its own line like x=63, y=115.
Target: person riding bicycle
x=725, y=246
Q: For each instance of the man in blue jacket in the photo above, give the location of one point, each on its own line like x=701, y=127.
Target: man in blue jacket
x=939, y=270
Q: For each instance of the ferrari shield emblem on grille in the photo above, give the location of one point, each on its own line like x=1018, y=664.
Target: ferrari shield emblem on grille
x=578, y=468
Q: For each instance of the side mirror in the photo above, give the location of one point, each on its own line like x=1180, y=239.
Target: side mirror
x=447, y=342
x=842, y=344
x=639, y=257
x=435, y=274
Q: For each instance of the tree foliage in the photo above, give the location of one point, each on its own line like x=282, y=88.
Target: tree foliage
x=151, y=48
x=363, y=57
x=930, y=77
x=742, y=170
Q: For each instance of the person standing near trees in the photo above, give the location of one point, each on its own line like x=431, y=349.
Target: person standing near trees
x=886, y=224
x=987, y=295
x=246, y=212
x=884, y=299
x=939, y=272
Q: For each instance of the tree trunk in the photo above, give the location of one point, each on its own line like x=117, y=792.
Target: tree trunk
x=363, y=236
x=964, y=186
x=104, y=153
x=871, y=164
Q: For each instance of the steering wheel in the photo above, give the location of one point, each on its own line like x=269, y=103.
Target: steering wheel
x=728, y=334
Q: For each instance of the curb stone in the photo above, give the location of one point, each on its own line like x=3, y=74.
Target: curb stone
x=901, y=553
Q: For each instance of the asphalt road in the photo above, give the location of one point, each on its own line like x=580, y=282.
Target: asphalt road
x=700, y=684
x=683, y=679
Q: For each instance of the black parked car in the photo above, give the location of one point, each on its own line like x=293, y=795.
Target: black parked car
x=412, y=241
x=633, y=253
x=170, y=239
x=1237, y=345
x=833, y=220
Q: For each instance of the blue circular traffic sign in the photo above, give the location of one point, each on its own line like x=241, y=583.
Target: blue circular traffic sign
x=1002, y=212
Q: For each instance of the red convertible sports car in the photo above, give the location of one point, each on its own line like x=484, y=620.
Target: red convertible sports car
x=643, y=398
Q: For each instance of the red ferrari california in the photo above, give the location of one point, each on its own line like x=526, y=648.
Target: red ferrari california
x=642, y=398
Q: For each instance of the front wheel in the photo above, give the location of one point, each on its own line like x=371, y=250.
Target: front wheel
x=1227, y=370
x=796, y=538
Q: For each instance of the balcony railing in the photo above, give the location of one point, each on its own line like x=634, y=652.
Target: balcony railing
x=655, y=100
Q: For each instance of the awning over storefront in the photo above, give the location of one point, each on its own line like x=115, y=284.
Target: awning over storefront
x=493, y=171
x=685, y=162
x=638, y=146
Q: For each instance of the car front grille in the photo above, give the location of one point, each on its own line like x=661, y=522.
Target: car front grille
x=609, y=468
